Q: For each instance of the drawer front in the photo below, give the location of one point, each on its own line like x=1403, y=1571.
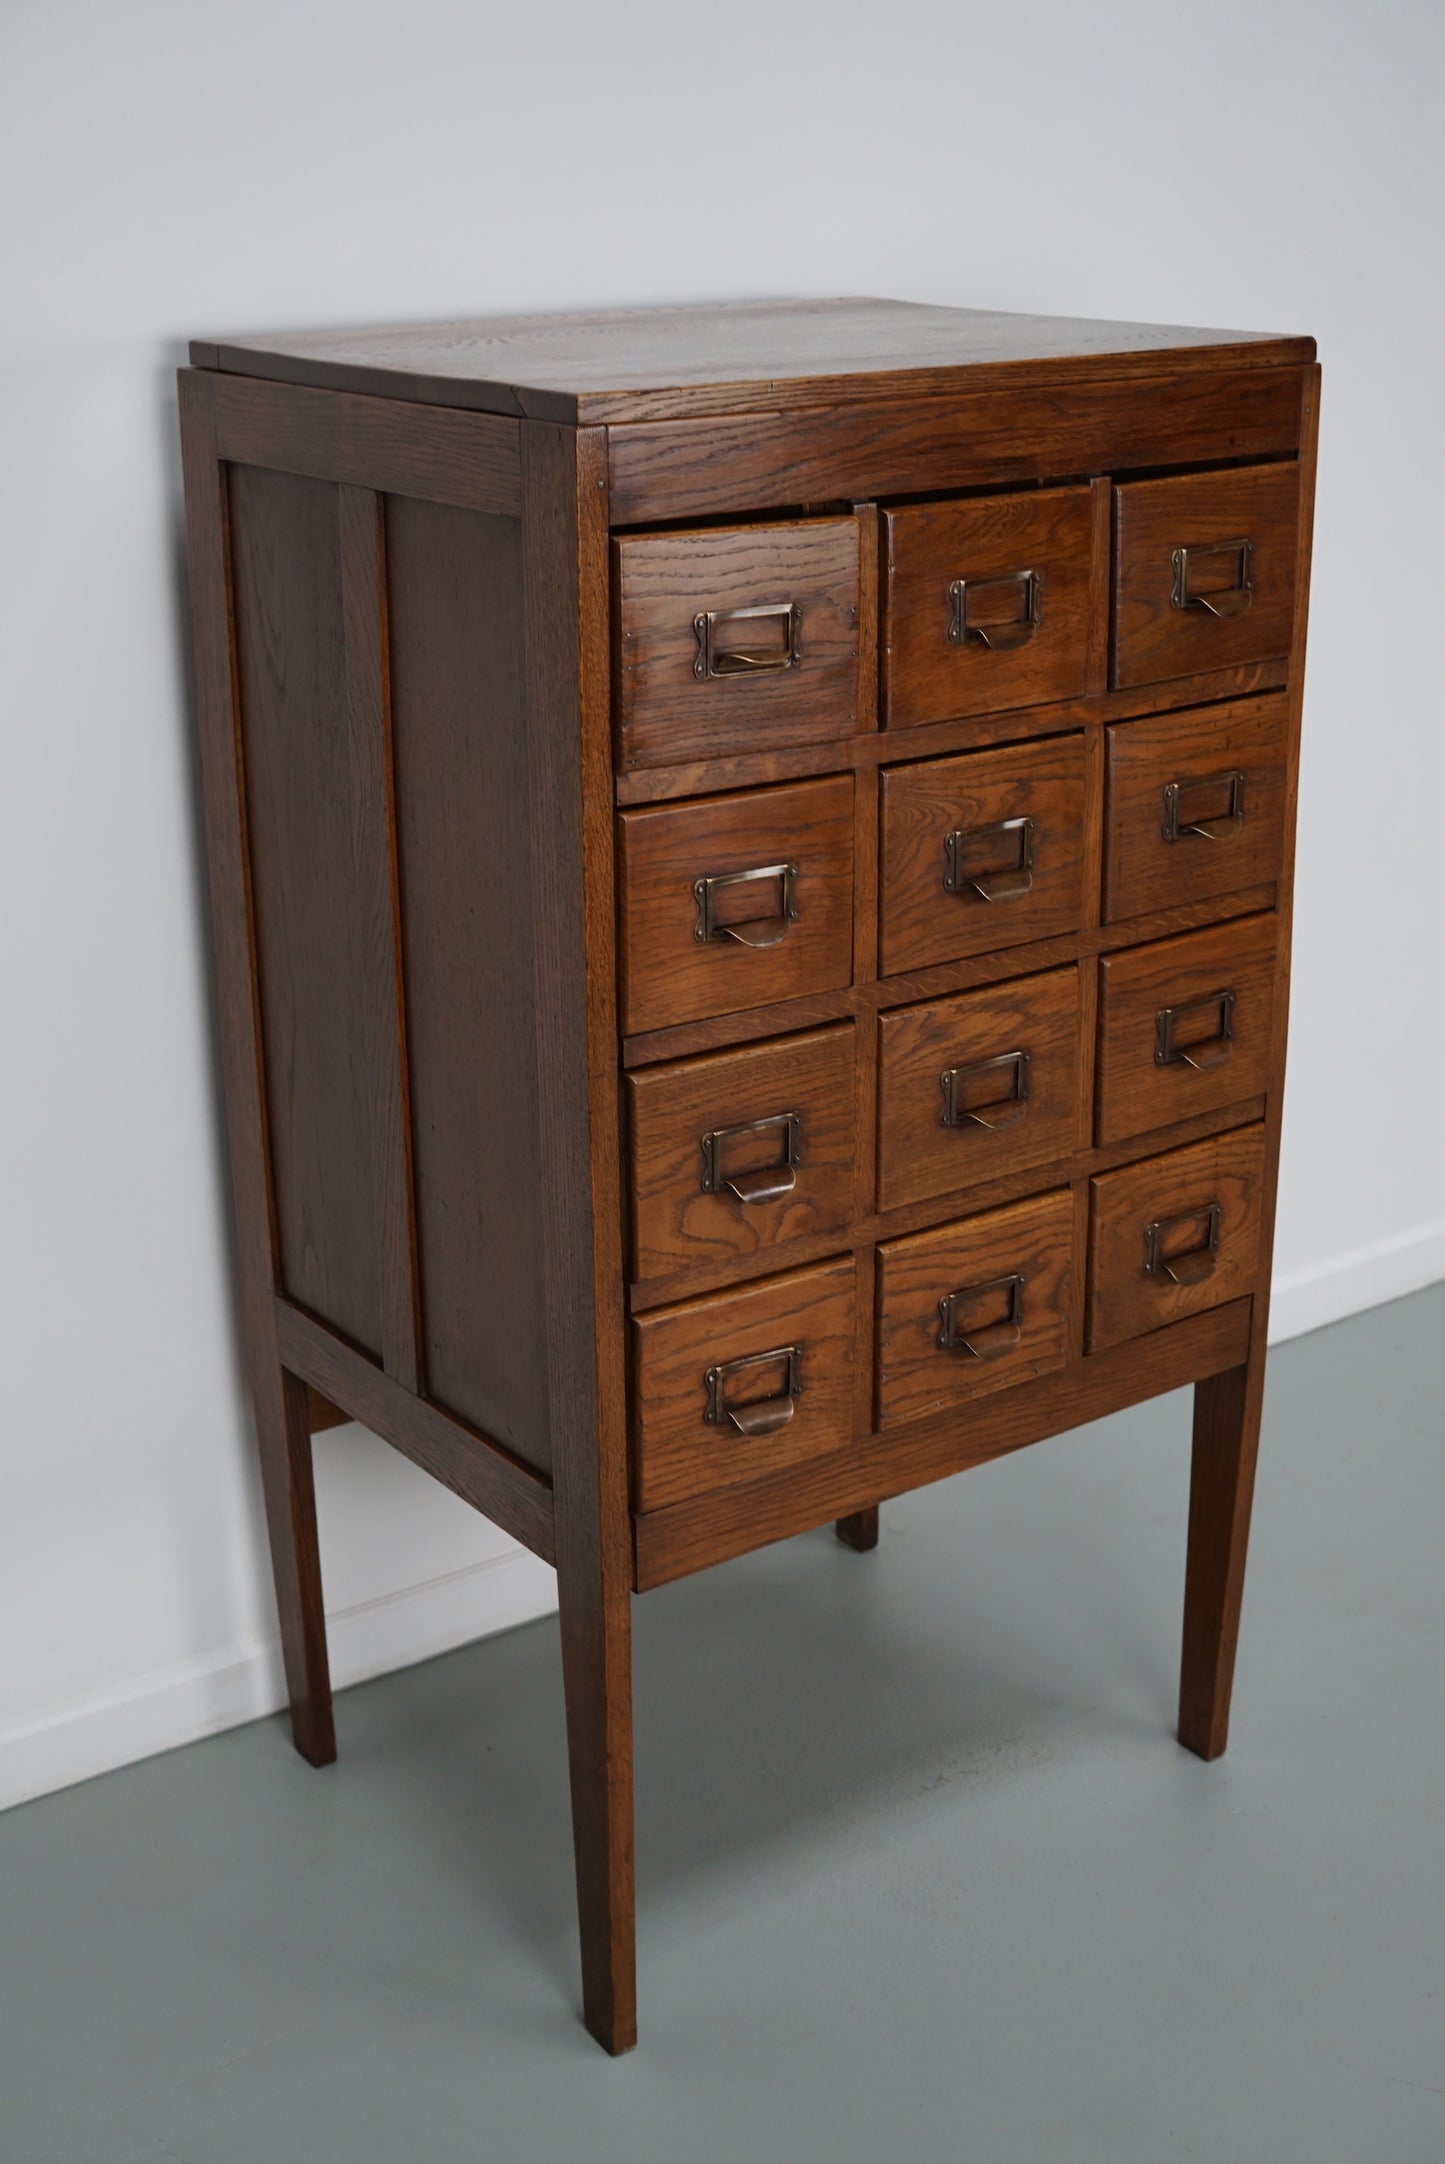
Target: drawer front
x=1196, y=806
x=735, y=639
x=1173, y=1235
x=699, y=939
x=987, y=604
x=741, y=1151
x=1204, y=572
x=1185, y=1025
x=980, y=852
x=972, y=1307
x=742, y=1383
x=977, y=1085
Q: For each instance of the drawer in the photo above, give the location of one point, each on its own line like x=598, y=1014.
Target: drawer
x=742, y=1383
x=1185, y=1025
x=1204, y=572
x=1173, y=1235
x=741, y=1151
x=735, y=638
x=977, y=1085
x=1195, y=806
x=986, y=604
x=735, y=901
x=980, y=851
x=971, y=1307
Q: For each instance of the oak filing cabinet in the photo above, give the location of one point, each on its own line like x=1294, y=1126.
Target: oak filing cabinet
x=751, y=854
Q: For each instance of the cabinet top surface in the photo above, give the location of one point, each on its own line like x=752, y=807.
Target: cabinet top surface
x=641, y=364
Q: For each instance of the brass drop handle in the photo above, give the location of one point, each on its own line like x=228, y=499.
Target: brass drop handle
x=1192, y=1265
x=752, y=931
x=748, y=642
x=994, y=863
x=755, y=1416
x=968, y=597
x=1188, y=807
x=957, y=1083
x=767, y=1183
x=983, y=1340
x=1200, y=1053
x=1191, y=562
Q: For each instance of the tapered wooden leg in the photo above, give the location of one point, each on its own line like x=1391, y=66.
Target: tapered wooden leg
x=859, y=1530
x=1226, y=1442
x=596, y=1621
x=283, y=1431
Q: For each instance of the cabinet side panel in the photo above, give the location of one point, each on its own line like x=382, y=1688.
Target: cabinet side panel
x=459, y=729
x=306, y=808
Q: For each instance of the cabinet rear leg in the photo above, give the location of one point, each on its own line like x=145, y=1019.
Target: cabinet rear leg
x=859, y=1529
x=596, y=1619
x=283, y=1432
x=1226, y=1443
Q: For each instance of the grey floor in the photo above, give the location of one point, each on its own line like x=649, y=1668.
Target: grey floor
x=922, y=1872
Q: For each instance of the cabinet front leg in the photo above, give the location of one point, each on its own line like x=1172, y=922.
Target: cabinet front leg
x=283, y=1433
x=596, y=1619
x=1221, y=1492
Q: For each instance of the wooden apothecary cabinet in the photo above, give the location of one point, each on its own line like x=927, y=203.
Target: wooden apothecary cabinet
x=751, y=856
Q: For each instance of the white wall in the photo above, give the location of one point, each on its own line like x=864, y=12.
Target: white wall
x=168, y=169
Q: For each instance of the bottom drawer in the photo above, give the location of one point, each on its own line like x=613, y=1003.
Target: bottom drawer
x=742, y=1383
x=1175, y=1234
x=973, y=1306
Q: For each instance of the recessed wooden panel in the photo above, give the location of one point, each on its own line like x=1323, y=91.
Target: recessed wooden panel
x=1168, y=624
x=1003, y=1116
x=1217, y=986
x=1032, y=1240
x=460, y=731
x=750, y=680
x=693, y=1205
x=1023, y=561
x=1195, y=805
x=1176, y=1195
x=920, y=920
x=314, y=825
x=677, y=1451
x=671, y=974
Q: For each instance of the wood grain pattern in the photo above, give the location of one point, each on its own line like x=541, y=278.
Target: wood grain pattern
x=1142, y=869
x=927, y=677
x=315, y=829
x=279, y=1401
x=460, y=731
x=626, y=363
x=920, y=922
x=677, y=1452
x=731, y=1521
x=697, y=468
x=1136, y=1092
x=1227, y=1418
x=665, y=712
x=1152, y=638
x=917, y=1154
x=677, y=1223
x=668, y=974
x=474, y=1466
x=916, y=1375
x=1124, y=1301
x=467, y=460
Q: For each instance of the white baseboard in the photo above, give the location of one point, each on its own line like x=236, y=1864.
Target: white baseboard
x=1348, y=1284
x=200, y=1697
x=241, y=1683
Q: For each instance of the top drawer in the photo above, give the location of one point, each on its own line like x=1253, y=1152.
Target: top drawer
x=1204, y=572
x=735, y=639
x=987, y=604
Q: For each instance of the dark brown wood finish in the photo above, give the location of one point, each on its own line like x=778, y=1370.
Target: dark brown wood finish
x=461, y=776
